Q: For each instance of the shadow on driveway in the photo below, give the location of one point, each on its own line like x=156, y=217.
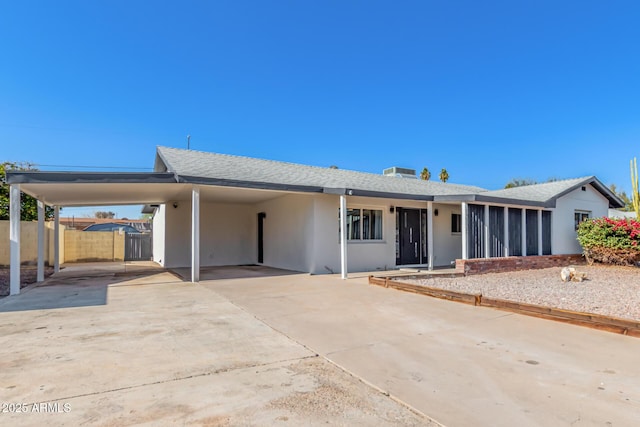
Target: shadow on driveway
x=77, y=285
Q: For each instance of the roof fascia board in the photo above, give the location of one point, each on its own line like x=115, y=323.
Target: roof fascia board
x=518, y=202
x=41, y=177
x=455, y=198
x=248, y=184
x=387, y=195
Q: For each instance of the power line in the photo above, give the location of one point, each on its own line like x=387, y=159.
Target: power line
x=89, y=167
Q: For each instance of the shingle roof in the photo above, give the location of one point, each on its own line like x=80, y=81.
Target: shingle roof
x=547, y=193
x=222, y=169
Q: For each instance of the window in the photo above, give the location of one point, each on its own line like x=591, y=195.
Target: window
x=456, y=223
x=580, y=216
x=363, y=224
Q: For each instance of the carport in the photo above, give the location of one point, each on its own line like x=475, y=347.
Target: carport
x=73, y=189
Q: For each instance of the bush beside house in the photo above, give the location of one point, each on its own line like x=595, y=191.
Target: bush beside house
x=610, y=241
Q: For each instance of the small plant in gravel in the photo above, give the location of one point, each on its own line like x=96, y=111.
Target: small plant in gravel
x=610, y=241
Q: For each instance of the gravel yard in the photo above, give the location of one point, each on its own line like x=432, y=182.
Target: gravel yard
x=608, y=290
x=27, y=276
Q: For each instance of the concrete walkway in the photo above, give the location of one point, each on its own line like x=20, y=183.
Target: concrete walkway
x=459, y=364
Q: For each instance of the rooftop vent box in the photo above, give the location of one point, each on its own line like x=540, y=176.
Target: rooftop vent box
x=400, y=172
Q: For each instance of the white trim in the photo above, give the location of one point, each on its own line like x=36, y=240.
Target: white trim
x=523, y=221
x=14, y=239
x=56, y=239
x=40, y=261
x=430, y=234
x=540, y=232
x=487, y=233
x=343, y=237
x=506, y=231
x=195, y=234
x=465, y=211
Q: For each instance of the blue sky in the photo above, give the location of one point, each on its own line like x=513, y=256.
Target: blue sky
x=489, y=90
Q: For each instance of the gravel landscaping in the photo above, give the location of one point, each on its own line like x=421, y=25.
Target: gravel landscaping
x=28, y=275
x=608, y=290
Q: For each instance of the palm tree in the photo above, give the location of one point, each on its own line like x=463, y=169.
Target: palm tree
x=444, y=175
x=425, y=175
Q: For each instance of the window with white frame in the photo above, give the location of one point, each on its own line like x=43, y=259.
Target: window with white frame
x=580, y=216
x=363, y=224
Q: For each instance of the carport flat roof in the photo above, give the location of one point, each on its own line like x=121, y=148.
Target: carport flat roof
x=128, y=188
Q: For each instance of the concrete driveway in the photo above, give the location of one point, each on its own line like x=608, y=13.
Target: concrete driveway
x=459, y=364
x=147, y=348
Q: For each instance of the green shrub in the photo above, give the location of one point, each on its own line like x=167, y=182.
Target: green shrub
x=611, y=241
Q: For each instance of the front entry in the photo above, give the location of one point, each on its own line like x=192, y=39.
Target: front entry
x=411, y=232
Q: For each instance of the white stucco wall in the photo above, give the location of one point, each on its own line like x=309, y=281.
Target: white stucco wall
x=159, y=235
x=227, y=234
x=288, y=231
x=447, y=246
x=361, y=255
x=562, y=225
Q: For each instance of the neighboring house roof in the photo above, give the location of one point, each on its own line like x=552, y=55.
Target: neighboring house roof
x=112, y=226
x=221, y=169
x=81, y=223
x=615, y=213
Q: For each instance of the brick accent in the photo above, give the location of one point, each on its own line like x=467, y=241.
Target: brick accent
x=499, y=265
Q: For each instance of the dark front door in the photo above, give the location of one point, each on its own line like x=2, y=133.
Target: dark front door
x=409, y=236
x=261, y=217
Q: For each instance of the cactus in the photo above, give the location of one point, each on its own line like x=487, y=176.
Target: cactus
x=635, y=192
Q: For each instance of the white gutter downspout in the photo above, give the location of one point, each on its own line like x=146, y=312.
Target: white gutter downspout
x=343, y=236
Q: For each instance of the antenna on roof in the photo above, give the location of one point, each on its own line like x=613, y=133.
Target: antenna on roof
x=188, y=142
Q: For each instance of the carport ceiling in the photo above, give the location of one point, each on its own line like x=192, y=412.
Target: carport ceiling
x=96, y=194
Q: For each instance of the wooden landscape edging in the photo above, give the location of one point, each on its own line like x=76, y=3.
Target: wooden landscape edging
x=595, y=321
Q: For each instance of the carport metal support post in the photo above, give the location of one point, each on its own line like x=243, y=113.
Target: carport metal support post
x=343, y=236
x=14, y=239
x=40, y=272
x=56, y=239
x=195, y=234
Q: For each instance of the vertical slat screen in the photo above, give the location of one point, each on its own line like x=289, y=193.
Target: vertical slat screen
x=546, y=232
x=496, y=231
x=515, y=232
x=532, y=232
x=475, y=233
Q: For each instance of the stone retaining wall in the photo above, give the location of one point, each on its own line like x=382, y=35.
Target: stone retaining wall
x=500, y=265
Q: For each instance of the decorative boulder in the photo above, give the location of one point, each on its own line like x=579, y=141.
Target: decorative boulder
x=569, y=274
